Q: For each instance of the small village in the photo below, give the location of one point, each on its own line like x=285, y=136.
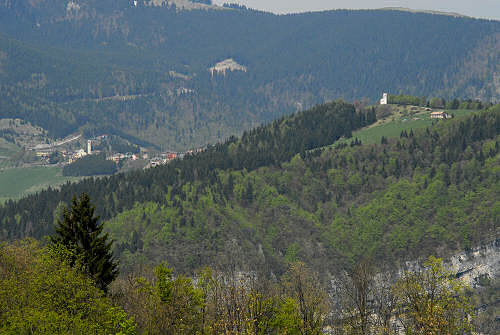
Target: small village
x=67, y=152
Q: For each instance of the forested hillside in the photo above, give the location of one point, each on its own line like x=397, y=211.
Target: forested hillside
x=268, y=199
x=435, y=191
x=267, y=145
x=143, y=71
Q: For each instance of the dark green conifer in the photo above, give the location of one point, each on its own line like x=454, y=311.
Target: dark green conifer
x=81, y=232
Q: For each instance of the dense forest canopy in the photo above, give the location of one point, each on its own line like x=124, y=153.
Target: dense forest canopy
x=144, y=71
x=269, y=198
x=351, y=206
x=269, y=145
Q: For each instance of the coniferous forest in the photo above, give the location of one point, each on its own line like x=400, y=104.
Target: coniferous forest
x=268, y=145
x=144, y=72
x=90, y=166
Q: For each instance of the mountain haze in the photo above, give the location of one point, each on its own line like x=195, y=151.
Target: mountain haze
x=143, y=71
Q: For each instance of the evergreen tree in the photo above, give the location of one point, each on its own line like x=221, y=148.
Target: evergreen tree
x=80, y=232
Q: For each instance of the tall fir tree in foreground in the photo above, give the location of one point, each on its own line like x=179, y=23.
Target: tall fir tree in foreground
x=81, y=233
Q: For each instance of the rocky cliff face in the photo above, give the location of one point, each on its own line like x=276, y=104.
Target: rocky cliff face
x=480, y=262
x=472, y=266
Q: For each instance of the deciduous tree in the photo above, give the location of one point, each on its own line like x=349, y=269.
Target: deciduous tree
x=40, y=293
x=433, y=301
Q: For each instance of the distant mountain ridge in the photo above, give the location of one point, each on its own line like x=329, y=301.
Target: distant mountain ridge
x=436, y=12
x=144, y=71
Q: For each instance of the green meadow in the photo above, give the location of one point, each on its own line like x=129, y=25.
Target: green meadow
x=399, y=121
x=17, y=182
x=7, y=151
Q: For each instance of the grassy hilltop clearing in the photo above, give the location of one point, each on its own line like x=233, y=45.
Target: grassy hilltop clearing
x=400, y=118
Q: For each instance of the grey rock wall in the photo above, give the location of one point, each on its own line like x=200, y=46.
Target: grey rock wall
x=483, y=261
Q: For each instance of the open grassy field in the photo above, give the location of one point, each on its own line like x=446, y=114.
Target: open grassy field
x=401, y=119
x=7, y=150
x=16, y=182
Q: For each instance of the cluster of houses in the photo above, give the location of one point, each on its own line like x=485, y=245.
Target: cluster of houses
x=159, y=159
x=81, y=153
x=63, y=149
x=163, y=158
x=118, y=157
x=166, y=157
x=156, y=159
x=68, y=155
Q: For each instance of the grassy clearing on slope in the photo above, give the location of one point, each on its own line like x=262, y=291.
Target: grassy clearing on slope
x=7, y=150
x=401, y=119
x=17, y=182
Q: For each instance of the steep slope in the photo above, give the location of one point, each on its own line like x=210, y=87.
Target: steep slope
x=266, y=145
x=144, y=70
x=479, y=76
x=434, y=193
x=249, y=204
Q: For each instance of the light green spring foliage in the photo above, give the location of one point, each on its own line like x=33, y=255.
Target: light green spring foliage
x=218, y=303
x=433, y=302
x=401, y=218
x=429, y=190
x=163, y=304
x=179, y=299
x=41, y=294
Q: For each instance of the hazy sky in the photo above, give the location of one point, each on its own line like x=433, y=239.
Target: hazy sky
x=476, y=8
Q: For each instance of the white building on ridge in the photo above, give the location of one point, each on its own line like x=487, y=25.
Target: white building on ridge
x=384, y=99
